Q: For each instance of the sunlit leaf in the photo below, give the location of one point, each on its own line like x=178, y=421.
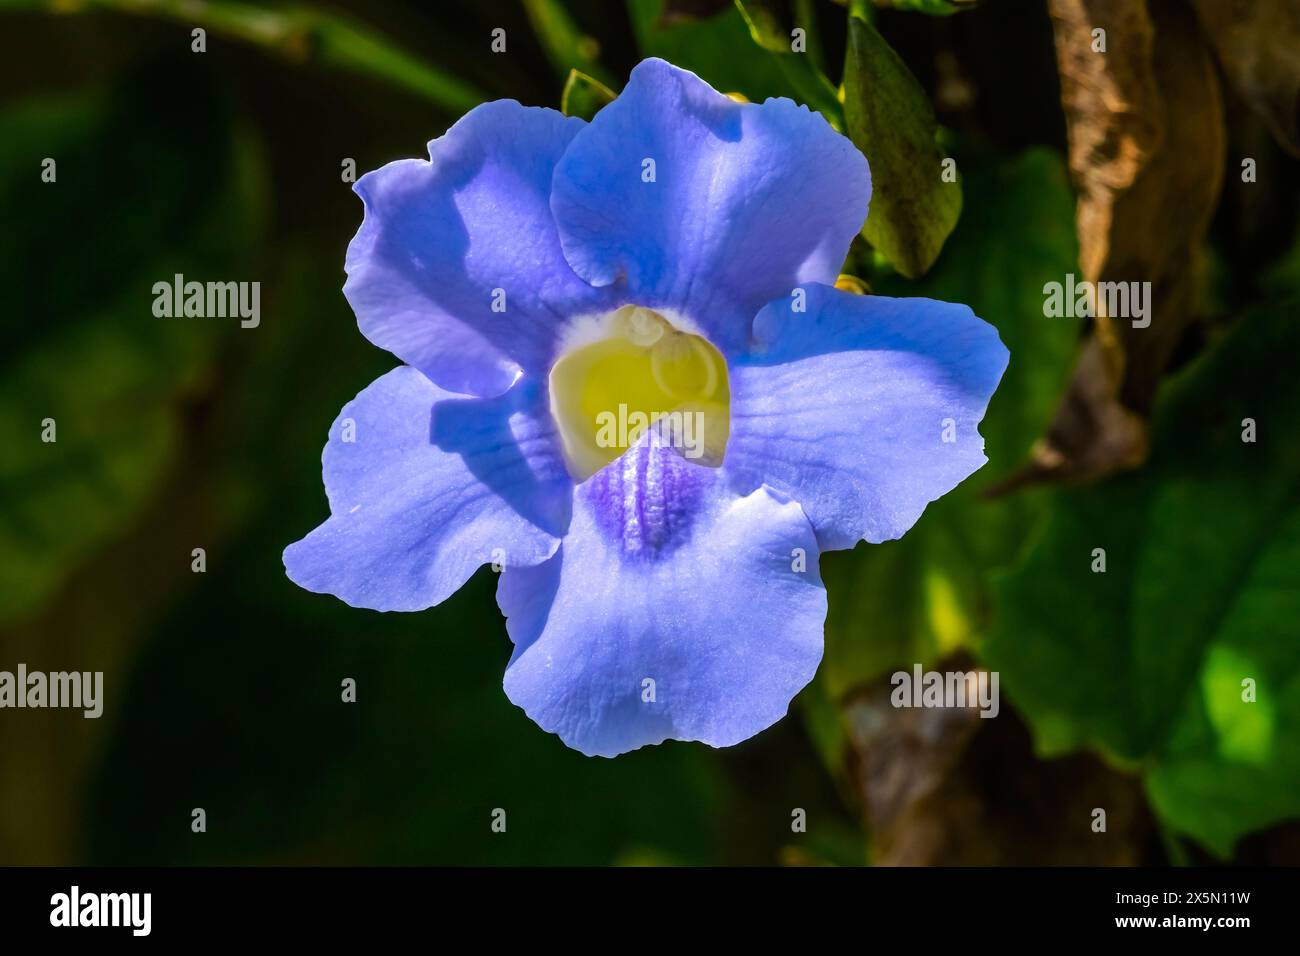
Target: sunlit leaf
x=1149, y=660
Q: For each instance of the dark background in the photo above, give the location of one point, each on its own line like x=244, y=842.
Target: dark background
x=223, y=688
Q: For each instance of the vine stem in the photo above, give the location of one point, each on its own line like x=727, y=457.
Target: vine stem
x=299, y=34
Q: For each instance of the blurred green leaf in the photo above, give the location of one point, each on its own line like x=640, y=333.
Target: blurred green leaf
x=939, y=8
x=1201, y=592
x=917, y=598
x=301, y=34
x=584, y=95
x=718, y=48
x=889, y=118
x=567, y=47
x=1282, y=277
x=793, y=57
x=82, y=346
x=765, y=24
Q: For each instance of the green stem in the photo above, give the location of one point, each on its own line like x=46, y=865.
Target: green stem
x=800, y=70
x=300, y=34
x=566, y=46
x=806, y=16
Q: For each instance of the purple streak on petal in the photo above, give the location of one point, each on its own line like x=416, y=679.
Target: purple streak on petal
x=842, y=408
x=646, y=501
x=750, y=200
x=717, y=616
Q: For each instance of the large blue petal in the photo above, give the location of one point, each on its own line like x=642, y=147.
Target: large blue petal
x=864, y=409
x=432, y=486
x=440, y=238
x=748, y=200
x=666, y=576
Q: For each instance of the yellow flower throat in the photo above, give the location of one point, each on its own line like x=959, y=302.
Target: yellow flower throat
x=642, y=374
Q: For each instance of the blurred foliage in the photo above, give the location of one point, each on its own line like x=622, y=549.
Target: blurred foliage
x=939, y=8
x=174, y=434
x=1200, y=594
x=790, y=51
x=719, y=48
x=1258, y=46
x=78, y=347
x=301, y=34
x=569, y=49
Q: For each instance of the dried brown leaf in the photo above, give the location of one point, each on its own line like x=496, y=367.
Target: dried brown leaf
x=1146, y=131
x=945, y=787
x=1257, y=43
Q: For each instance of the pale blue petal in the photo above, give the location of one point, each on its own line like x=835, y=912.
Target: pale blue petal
x=864, y=409
x=666, y=576
x=430, y=487
x=457, y=268
x=748, y=200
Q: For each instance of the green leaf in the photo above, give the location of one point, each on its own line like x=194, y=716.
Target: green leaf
x=584, y=95
x=1201, y=592
x=300, y=34
x=567, y=47
x=937, y=8
x=81, y=345
x=889, y=118
x=793, y=57
x=720, y=49
x=917, y=598
x=894, y=603
x=765, y=24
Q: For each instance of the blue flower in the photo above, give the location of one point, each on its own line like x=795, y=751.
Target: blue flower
x=630, y=382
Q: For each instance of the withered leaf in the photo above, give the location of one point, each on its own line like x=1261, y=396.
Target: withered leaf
x=1146, y=131
x=941, y=786
x=1257, y=43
